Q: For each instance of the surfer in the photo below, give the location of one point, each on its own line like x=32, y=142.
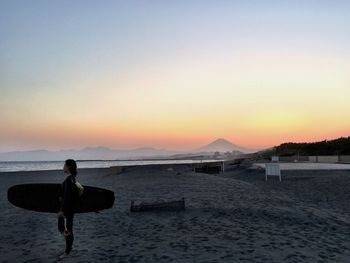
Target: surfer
x=69, y=196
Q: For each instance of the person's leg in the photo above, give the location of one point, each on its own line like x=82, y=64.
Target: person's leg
x=70, y=236
x=60, y=224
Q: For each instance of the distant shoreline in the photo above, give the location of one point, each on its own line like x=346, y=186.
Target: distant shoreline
x=27, y=166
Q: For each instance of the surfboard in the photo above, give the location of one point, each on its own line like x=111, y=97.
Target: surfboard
x=45, y=198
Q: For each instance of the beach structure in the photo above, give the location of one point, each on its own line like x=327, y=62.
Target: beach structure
x=275, y=159
x=177, y=205
x=209, y=167
x=272, y=169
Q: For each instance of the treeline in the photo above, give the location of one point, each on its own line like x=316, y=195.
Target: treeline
x=339, y=146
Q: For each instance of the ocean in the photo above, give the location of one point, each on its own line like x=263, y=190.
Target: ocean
x=58, y=165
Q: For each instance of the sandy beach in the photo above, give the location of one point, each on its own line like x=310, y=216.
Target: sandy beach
x=232, y=217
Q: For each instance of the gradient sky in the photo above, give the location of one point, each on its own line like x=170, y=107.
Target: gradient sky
x=172, y=74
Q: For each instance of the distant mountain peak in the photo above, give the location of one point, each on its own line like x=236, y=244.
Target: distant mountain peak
x=221, y=141
x=222, y=145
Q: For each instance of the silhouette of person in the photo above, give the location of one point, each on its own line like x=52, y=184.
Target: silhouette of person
x=68, y=196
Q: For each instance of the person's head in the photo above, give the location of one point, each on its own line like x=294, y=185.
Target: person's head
x=70, y=167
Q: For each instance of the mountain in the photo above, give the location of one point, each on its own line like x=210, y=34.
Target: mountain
x=25, y=155
x=88, y=153
x=104, y=153
x=222, y=145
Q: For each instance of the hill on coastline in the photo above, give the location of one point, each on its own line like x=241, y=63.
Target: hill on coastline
x=340, y=146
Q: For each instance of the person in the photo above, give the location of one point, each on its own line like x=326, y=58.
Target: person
x=68, y=196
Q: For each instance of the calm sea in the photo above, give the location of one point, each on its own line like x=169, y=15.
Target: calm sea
x=58, y=165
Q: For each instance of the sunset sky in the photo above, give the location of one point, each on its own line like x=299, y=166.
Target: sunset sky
x=172, y=74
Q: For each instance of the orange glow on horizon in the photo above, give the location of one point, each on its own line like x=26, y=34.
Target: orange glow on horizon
x=253, y=99
x=271, y=130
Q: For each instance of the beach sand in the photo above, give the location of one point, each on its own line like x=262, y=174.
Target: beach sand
x=232, y=217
